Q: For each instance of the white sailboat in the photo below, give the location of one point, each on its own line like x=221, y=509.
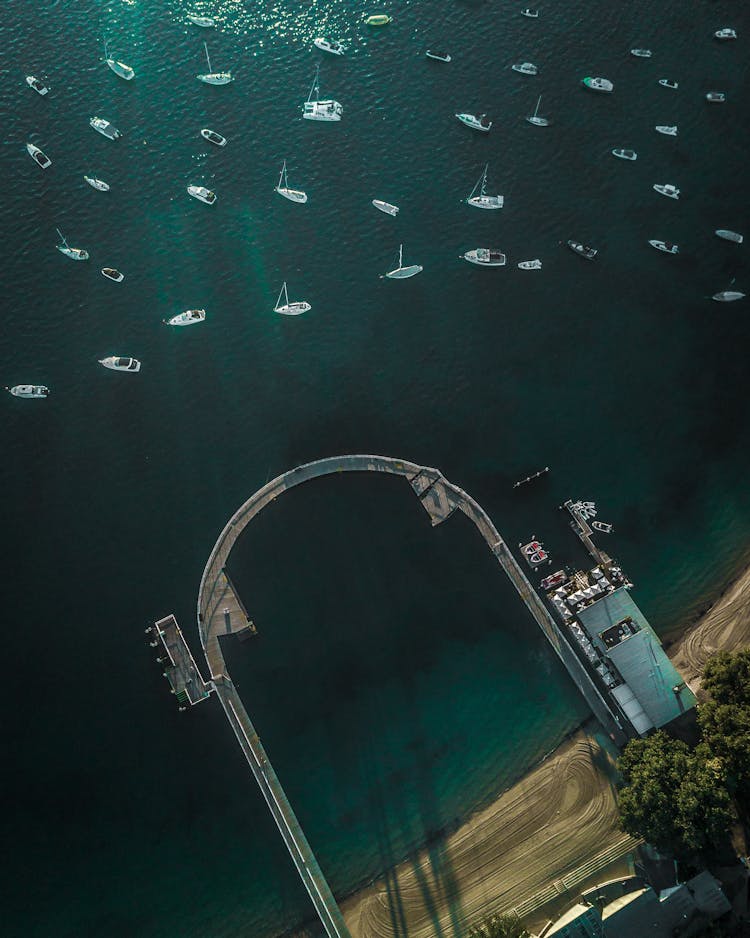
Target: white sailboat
x=119, y=68
x=401, y=272
x=214, y=78
x=76, y=254
x=294, y=195
x=197, y=20
x=482, y=200
x=290, y=309
x=314, y=110
x=535, y=119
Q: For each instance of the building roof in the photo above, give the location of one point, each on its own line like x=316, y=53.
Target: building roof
x=582, y=921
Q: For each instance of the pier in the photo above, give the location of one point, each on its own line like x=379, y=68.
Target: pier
x=181, y=670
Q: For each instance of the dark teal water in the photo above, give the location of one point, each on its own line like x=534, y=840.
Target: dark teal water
x=124, y=817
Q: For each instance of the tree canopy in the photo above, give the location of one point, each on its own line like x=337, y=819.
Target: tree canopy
x=499, y=926
x=724, y=718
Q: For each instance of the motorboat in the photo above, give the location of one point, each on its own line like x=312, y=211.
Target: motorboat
x=189, y=318
x=111, y=273
x=666, y=83
x=120, y=363
x=476, y=122
x=728, y=296
x=105, y=128
x=202, y=194
x=726, y=33
x=29, y=390
x=665, y=246
x=205, y=21
x=535, y=553
x=602, y=526
x=290, y=309
x=401, y=272
x=535, y=119
x=729, y=235
x=385, y=207
x=315, y=110
x=485, y=257
x=97, y=183
x=38, y=86
x=554, y=579
x=530, y=265
x=119, y=68
x=329, y=45
x=625, y=154
x=41, y=159
x=670, y=191
x=716, y=97
x=214, y=78
x=641, y=53
x=583, y=249
x=76, y=254
x=525, y=68
x=379, y=19
x=213, y=137
x=598, y=84
x=480, y=199
x=294, y=195
x=667, y=129
x=532, y=14
x=438, y=56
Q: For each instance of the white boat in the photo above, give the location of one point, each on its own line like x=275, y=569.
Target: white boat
x=41, y=159
x=294, y=195
x=385, y=207
x=583, y=250
x=119, y=68
x=604, y=526
x=120, y=363
x=716, y=97
x=202, y=194
x=535, y=119
x=438, y=56
x=105, y=128
x=29, y=390
x=214, y=78
x=315, y=110
x=625, y=154
x=189, y=318
x=485, y=257
x=213, y=137
x=665, y=246
x=476, y=122
x=401, y=272
x=532, y=14
x=290, y=309
x=530, y=265
x=205, y=21
x=641, y=53
x=36, y=84
x=728, y=296
x=667, y=129
x=729, y=235
x=666, y=83
x=598, y=84
x=482, y=200
x=97, y=183
x=726, y=33
x=111, y=273
x=670, y=191
x=329, y=45
x=525, y=68
x=76, y=254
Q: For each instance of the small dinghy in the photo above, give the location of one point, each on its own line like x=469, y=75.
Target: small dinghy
x=380, y=19
x=716, y=97
x=625, y=154
x=41, y=159
x=205, y=21
x=202, y=194
x=530, y=265
x=535, y=553
x=525, y=68
x=105, y=128
x=437, y=56
x=36, y=84
x=667, y=83
x=97, y=183
x=476, y=122
x=120, y=363
x=485, y=257
x=725, y=33
x=532, y=14
x=111, y=273
x=189, y=318
x=670, y=191
x=666, y=246
x=290, y=309
x=480, y=199
x=641, y=53
x=29, y=390
x=553, y=580
x=316, y=110
x=598, y=84
x=667, y=129
x=213, y=78
x=401, y=272
x=729, y=235
x=385, y=207
x=213, y=137
x=294, y=195
x=728, y=296
x=119, y=68
x=76, y=254
x=583, y=250
x=329, y=45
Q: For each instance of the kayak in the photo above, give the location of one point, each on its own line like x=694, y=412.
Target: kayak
x=381, y=19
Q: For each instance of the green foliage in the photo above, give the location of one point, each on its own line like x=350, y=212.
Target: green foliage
x=726, y=677
x=498, y=926
x=724, y=719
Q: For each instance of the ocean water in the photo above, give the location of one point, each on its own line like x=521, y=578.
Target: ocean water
x=386, y=681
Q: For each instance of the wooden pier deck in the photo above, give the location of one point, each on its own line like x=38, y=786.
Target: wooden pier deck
x=181, y=670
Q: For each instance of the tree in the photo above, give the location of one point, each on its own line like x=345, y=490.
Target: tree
x=499, y=926
x=726, y=677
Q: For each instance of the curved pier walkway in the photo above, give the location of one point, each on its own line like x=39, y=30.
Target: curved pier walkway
x=221, y=612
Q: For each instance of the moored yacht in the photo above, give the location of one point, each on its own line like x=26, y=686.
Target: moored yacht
x=205, y=21
x=315, y=110
x=105, y=128
x=665, y=246
x=202, y=194
x=531, y=13
x=385, y=207
x=33, y=82
x=729, y=235
x=290, y=309
x=329, y=45
x=485, y=257
x=535, y=119
x=189, y=318
x=119, y=68
x=641, y=53
x=29, y=390
x=554, y=579
x=294, y=195
x=530, y=265
x=213, y=137
x=583, y=250
x=41, y=159
x=76, y=254
x=111, y=273
x=667, y=129
x=525, y=68
x=667, y=83
x=438, y=56
x=401, y=272
x=213, y=78
x=716, y=97
x=476, y=122
x=726, y=33
x=598, y=84
x=604, y=526
x=97, y=183
x=625, y=154
x=379, y=19
x=670, y=191
x=480, y=199
x=728, y=296
x=120, y=363
x=535, y=553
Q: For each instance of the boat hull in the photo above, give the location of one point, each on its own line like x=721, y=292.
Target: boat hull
x=403, y=273
x=493, y=259
x=385, y=207
x=114, y=275
x=293, y=309
x=489, y=202
x=475, y=123
x=294, y=195
x=727, y=235
x=29, y=391
x=215, y=78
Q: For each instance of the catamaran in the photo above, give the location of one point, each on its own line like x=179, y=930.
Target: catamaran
x=535, y=119
x=329, y=45
x=213, y=137
x=111, y=273
x=37, y=85
x=314, y=110
x=189, y=318
x=670, y=191
x=41, y=159
x=482, y=200
x=485, y=257
x=119, y=68
x=120, y=363
x=205, y=21
x=294, y=195
x=476, y=122
x=76, y=254
x=290, y=309
x=29, y=390
x=202, y=194
x=214, y=78
x=525, y=68
x=401, y=272
x=97, y=183
x=104, y=128
x=385, y=207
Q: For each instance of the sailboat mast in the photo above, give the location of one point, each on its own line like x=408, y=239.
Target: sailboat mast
x=205, y=46
x=62, y=237
x=281, y=175
x=400, y=256
x=484, y=178
x=536, y=109
x=315, y=84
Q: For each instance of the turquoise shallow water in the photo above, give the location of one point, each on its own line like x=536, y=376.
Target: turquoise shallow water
x=124, y=817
